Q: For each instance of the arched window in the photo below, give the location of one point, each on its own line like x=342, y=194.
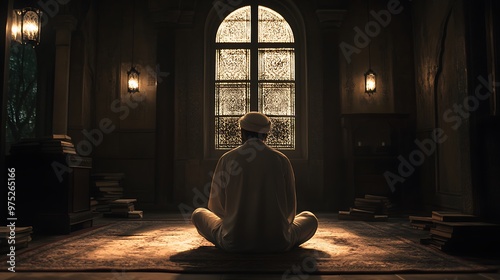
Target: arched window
x=255, y=70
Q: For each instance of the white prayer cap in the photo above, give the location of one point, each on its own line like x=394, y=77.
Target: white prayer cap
x=255, y=122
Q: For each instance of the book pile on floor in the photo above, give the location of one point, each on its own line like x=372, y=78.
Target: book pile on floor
x=93, y=206
x=457, y=232
x=421, y=222
x=57, y=144
x=368, y=208
x=106, y=188
x=124, y=208
x=21, y=235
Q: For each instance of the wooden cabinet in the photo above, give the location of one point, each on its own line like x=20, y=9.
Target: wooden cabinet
x=372, y=144
x=52, y=192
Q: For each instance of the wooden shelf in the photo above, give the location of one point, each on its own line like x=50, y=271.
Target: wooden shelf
x=364, y=135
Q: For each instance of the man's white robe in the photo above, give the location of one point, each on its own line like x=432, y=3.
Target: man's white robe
x=254, y=197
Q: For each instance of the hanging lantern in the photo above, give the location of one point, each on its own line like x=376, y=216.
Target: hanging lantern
x=26, y=26
x=370, y=82
x=133, y=80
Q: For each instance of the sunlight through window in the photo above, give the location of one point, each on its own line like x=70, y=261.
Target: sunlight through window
x=255, y=71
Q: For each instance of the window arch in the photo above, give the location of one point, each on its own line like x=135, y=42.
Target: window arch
x=254, y=70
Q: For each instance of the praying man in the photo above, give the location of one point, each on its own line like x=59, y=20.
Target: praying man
x=252, y=204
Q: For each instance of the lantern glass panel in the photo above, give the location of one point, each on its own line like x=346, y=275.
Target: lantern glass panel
x=31, y=26
x=133, y=80
x=370, y=82
x=16, y=26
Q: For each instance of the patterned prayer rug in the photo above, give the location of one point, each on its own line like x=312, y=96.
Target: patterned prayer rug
x=339, y=247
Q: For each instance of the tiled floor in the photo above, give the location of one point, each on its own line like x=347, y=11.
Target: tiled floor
x=173, y=276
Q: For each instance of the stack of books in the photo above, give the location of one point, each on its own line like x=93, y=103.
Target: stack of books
x=421, y=222
x=374, y=203
x=124, y=208
x=368, y=208
x=447, y=216
x=57, y=144
x=22, y=237
x=457, y=232
x=93, y=206
x=106, y=188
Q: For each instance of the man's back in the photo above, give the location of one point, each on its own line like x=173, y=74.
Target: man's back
x=256, y=201
x=252, y=200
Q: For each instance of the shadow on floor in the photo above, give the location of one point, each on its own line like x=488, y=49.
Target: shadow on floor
x=296, y=261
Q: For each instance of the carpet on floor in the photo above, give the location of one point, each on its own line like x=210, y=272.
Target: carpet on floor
x=339, y=247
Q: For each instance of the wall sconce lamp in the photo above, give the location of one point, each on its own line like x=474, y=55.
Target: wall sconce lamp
x=370, y=81
x=133, y=80
x=27, y=26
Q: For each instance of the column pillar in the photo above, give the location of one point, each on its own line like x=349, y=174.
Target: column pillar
x=331, y=20
x=64, y=25
x=167, y=21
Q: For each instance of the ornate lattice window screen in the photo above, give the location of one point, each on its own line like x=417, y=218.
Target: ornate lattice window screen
x=255, y=76
x=273, y=27
x=236, y=27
